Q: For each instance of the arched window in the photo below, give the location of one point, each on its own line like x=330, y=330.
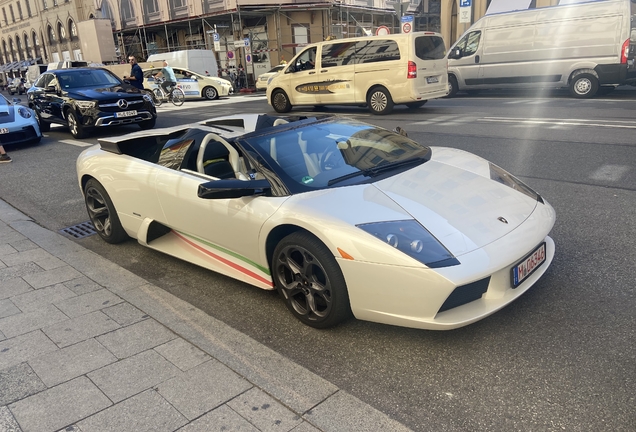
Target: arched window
x=51, y=33
x=18, y=44
x=45, y=55
x=72, y=29
x=27, y=46
x=4, y=51
x=151, y=6
x=12, y=50
x=108, y=13
x=61, y=32
x=127, y=11
x=36, y=44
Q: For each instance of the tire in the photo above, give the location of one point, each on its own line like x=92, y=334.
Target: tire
x=77, y=130
x=44, y=126
x=102, y=213
x=415, y=105
x=583, y=85
x=379, y=101
x=280, y=101
x=310, y=281
x=178, y=97
x=158, y=97
x=148, y=124
x=210, y=93
x=452, y=86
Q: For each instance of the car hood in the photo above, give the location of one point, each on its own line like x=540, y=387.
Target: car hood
x=453, y=197
x=7, y=113
x=105, y=92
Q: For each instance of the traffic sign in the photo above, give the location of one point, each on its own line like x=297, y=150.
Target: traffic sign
x=217, y=37
x=465, y=3
x=382, y=30
x=407, y=23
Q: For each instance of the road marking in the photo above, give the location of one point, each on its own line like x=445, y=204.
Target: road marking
x=188, y=104
x=610, y=173
x=619, y=124
x=76, y=143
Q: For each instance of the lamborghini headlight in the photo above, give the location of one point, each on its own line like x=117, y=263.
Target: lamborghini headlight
x=85, y=104
x=24, y=112
x=411, y=238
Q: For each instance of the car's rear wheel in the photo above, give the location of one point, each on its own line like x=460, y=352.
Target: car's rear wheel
x=44, y=126
x=210, y=93
x=310, y=281
x=583, y=85
x=379, y=101
x=102, y=213
x=280, y=101
x=77, y=130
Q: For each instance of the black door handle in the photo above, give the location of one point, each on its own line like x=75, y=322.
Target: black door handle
x=477, y=59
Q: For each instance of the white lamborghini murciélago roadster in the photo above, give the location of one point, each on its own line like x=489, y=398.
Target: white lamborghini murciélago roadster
x=339, y=216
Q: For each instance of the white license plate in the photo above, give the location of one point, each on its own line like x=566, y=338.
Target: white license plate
x=432, y=80
x=126, y=113
x=4, y=131
x=528, y=265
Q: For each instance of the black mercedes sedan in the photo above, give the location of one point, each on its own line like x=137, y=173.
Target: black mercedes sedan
x=87, y=98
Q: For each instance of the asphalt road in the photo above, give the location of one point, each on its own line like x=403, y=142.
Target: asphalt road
x=562, y=357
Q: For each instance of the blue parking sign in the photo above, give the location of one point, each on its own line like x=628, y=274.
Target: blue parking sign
x=465, y=3
x=217, y=37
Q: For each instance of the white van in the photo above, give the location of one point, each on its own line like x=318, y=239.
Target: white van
x=582, y=46
x=200, y=61
x=379, y=71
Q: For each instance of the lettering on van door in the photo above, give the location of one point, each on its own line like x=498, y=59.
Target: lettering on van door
x=324, y=87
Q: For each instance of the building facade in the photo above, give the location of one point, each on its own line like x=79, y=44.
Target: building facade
x=254, y=34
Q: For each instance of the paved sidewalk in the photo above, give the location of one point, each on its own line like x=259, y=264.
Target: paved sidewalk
x=85, y=345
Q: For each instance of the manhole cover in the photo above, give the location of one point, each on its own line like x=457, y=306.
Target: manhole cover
x=80, y=230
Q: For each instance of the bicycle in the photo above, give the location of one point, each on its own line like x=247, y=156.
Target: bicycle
x=176, y=95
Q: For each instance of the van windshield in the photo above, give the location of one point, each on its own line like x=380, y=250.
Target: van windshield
x=429, y=48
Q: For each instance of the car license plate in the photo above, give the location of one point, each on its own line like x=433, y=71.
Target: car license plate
x=126, y=113
x=431, y=80
x=4, y=131
x=528, y=265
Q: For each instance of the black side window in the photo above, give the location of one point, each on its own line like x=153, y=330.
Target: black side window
x=429, y=47
x=469, y=43
x=373, y=51
x=338, y=54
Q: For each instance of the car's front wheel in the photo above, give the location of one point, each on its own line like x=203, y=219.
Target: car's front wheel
x=210, y=93
x=102, y=213
x=310, y=281
x=77, y=130
x=280, y=101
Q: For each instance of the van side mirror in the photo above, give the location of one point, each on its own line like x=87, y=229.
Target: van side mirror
x=456, y=54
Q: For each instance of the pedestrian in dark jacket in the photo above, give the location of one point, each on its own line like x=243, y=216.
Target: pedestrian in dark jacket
x=136, y=77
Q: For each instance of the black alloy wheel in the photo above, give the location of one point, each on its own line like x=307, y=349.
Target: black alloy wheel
x=77, y=130
x=102, y=213
x=310, y=281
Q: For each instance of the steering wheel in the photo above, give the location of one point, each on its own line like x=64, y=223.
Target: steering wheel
x=329, y=160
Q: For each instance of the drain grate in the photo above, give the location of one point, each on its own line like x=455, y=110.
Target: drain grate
x=80, y=230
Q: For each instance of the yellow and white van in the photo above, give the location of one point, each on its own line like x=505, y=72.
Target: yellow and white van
x=379, y=71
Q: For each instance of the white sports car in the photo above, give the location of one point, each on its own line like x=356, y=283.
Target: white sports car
x=338, y=215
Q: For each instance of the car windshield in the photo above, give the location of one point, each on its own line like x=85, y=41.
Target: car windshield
x=336, y=151
x=87, y=78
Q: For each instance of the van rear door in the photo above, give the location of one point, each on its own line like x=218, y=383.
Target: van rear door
x=429, y=65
